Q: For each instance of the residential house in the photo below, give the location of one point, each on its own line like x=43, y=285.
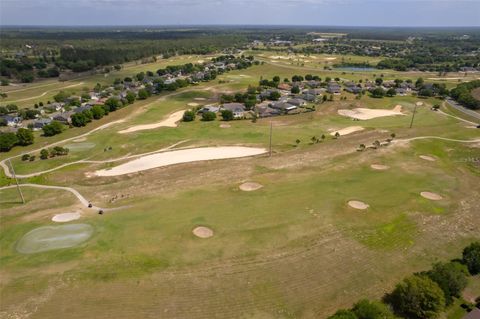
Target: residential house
x=401, y=91
x=284, y=86
x=297, y=102
x=334, y=88
x=12, y=120
x=209, y=108
x=80, y=109
x=353, y=89
x=283, y=106
x=309, y=97
x=63, y=117
x=237, y=109
x=40, y=123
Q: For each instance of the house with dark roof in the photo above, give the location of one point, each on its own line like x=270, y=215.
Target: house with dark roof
x=63, y=117
x=334, y=88
x=237, y=109
x=12, y=120
x=40, y=123
x=283, y=106
x=297, y=102
x=353, y=89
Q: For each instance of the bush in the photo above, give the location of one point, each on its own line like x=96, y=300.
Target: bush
x=79, y=119
x=43, y=154
x=365, y=309
x=97, y=112
x=343, y=314
x=25, y=136
x=227, y=115
x=471, y=257
x=143, y=94
x=25, y=157
x=417, y=297
x=188, y=116
x=208, y=116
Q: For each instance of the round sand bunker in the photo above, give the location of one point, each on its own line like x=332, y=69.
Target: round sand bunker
x=428, y=158
x=54, y=237
x=66, y=217
x=193, y=104
x=225, y=125
x=202, y=232
x=358, y=204
x=250, y=186
x=379, y=167
x=431, y=196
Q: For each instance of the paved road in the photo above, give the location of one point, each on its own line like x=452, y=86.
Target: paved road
x=462, y=109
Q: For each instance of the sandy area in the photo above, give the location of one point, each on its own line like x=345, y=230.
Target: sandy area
x=200, y=61
x=171, y=121
x=330, y=58
x=199, y=99
x=358, y=204
x=428, y=158
x=379, y=167
x=193, y=104
x=444, y=79
x=180, y=156
x=367, y=114
x=419, y=103
x=202, y=232
x=225, y=125
x=347, y=130
x=431, y=196
x=66, y=217
x=250, y=186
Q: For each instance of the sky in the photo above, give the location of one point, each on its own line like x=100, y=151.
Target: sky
x=241, y=12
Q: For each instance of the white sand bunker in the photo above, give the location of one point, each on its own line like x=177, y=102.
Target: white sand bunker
x=193, y=104
x=225, y=126
x=379, y=167
x=358, y=204
x=181, y=156
x=431, y=196
x=199, y=99
x=347, y=130
x=54, y=237
x=66, y=217
x=202, y=232
x=171, y=121
x=368, y=114
x=330, y=58
x=250, y=186
x=82, y=146
x=428, y=158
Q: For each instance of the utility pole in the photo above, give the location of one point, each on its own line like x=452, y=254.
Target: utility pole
x=413, y=115
x=271, y=128
x=16, y=181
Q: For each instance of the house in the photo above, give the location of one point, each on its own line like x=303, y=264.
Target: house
x=209, y=108
x=266, y=93
x=297, y=102
x=353, y=89
x=80, y=109
x=474, y=314
x=198, y=76
x=314, y=91
x=334, y=88
x=283, y=106
x=63, y=117
x=284, y=86
x=12, y=120
x=401, y=91
x=266, y=111
x=309, y=97
x=237, y=109
x=40, y=123
x=54, y=107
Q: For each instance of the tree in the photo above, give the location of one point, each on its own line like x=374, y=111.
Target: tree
x=365, y=309
x=295, y=89
x=130, y=96
x=79, y=119
x=274, y=96
x=419, y=83
x=61, y=96
x=378, y=81
x=343, y=314
x=208, y=116
x=44, y=154
x=53, y=128
x=324, y=98
x=113, y=104
x=378, y=93
x=7, y=141
x=391, y=92
x=471, y=257
x=451, y=278
x=25, y=136
x=297, y=141
x=97, y=112
x=337, y=135
x=143, y=94
x=227, y=115
x=188, y=116
x=25, y=157
x=417, y=297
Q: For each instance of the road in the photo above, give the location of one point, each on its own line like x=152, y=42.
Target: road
x=462, y=109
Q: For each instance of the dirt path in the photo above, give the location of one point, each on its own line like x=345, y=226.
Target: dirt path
x=43, y=94
x=76, y=193
x=171, y=121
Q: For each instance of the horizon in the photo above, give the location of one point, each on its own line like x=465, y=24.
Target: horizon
x=347, y=13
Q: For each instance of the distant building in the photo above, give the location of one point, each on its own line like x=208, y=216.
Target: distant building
x=237, y=109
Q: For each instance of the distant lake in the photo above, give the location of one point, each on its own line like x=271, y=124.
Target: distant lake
x=356, y=69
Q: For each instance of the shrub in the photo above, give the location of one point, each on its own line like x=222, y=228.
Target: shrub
x=365, y=309
x=188, y=116
x=471, y=257
x=451, y=278
x=7, y=141
x=43, y=154
x=25, y=136
x=343, y=314
x=208, y=116
x=53, y=128
x=227, y=115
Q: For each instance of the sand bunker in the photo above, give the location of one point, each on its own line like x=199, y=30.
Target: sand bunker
x=193, y=104
x=379, y=167
x=250, y=186
x=419, y=103
x=203, y=232
x=171, y=121
x=330, y=58
x=367, y=114
x=199, y=99
x=428, y=158
x=181, y=156
x=358, y=204
x=66, y=217
x=225, y=125
x=347, y=130
x=54, y=237
x=431, y=196
x=82, y=146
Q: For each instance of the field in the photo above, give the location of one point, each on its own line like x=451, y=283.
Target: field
x=291, y=249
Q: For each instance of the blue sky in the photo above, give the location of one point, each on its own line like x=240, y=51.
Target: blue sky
x=243, y=12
